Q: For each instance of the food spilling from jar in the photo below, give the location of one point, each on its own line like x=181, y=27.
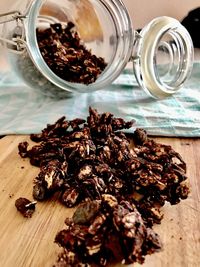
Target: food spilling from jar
x=66, y=54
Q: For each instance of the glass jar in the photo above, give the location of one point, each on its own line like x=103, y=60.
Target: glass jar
x=161, y=53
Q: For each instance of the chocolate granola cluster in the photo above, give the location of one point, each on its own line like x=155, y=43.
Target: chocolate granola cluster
x=106, y=230
x=92, y=162
x=67, y=56
x=25, y=206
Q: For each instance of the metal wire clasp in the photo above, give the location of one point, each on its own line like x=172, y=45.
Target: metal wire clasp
x=16, y=43
x=14, y=15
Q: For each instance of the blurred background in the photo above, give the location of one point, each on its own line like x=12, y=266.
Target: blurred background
x=141, y=11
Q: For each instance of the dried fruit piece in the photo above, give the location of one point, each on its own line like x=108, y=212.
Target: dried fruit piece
x=86, y=211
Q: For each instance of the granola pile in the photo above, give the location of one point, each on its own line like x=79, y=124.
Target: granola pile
x=120, y=190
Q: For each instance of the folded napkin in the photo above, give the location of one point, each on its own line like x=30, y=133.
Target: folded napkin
x=24, y=110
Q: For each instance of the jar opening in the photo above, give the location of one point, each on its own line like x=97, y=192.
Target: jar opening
x=106, y=31
x=164, y=57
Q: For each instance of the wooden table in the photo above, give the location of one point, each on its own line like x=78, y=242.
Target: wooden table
x=30, y=242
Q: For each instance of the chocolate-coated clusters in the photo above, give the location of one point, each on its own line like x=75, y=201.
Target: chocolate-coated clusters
x=92, y=161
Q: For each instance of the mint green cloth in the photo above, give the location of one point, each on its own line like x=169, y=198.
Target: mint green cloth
x=24, y=110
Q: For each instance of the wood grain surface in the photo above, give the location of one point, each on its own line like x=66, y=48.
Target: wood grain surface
x=30, y=242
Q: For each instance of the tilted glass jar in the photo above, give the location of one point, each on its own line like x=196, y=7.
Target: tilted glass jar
x=162, y=52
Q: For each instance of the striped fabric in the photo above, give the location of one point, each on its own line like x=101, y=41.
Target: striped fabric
x=24, y=110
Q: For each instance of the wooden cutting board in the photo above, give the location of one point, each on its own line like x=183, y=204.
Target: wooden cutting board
x=30, y=242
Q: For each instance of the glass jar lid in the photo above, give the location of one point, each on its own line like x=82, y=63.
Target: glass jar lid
x=163, y=57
